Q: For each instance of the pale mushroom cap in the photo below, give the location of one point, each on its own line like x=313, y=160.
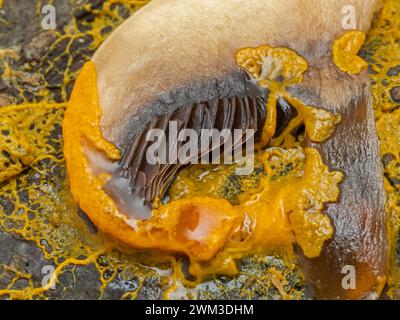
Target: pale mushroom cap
x=176, y=45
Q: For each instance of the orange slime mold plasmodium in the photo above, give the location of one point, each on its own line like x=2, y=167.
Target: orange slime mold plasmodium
x=211, y=232
x=345, y=50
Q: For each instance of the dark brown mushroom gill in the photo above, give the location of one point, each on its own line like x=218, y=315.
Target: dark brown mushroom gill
x=243, y=110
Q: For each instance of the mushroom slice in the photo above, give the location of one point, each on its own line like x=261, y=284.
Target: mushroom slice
x=175, y=60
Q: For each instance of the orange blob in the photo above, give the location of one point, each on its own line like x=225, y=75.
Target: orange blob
x=345, y=50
